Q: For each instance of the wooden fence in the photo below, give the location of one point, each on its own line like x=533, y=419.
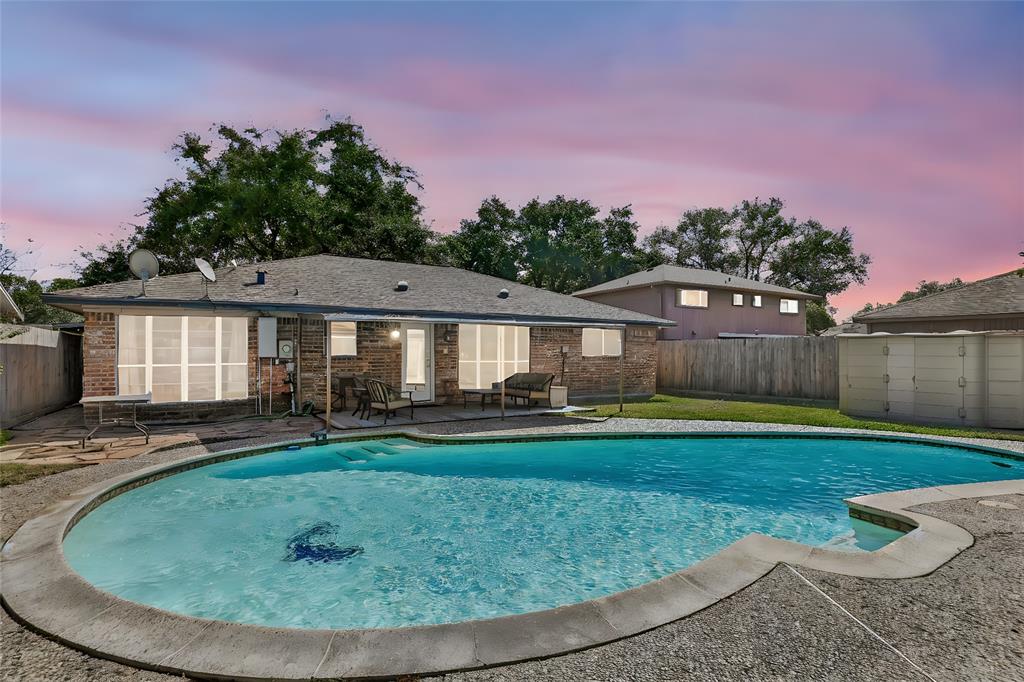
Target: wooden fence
x=789, y=367
x=40, y=371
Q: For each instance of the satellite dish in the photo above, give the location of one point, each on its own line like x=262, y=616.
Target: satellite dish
x=144, y=265
x=206, y=269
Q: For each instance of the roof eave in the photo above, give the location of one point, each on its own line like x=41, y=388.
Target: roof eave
x=929, y=318
x=77, y=304
x=585, y=293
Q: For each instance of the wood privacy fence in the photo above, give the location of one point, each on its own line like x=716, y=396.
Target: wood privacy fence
x=40, y=371
x=789, y=367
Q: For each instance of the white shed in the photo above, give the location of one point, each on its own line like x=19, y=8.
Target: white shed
x=966, y=378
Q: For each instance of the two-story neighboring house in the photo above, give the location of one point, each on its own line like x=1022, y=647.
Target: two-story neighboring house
x=706, y=304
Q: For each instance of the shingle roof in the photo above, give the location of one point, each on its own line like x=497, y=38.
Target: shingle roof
x=355, y=285
x=675, y=274
x=998, y=295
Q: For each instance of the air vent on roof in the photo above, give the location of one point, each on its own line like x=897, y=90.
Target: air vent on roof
x=261, y=277
x=503, y=293
x=402, y=285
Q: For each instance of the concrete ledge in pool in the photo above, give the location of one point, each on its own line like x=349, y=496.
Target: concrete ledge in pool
x=43, y=592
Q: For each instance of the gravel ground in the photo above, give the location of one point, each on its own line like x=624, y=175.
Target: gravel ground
x=963, y=622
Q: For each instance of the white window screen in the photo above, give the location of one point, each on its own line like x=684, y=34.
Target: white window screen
x=697, y=298
x=343, y=338
x=601, y=342
x=737, y=299
x=789, y=305
x=756, y=302
x=489, y=353
x=182, y=358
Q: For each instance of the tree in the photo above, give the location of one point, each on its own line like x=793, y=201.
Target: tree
x=108, y=262
x=489, y=244
x=27, y=294
x=26, y=291
x=925, y=288
x=756, y=241
x=271, y=195
x=561, y=244
x=699, y=240
x=819, y=317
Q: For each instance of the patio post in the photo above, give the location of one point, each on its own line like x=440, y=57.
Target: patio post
x=327, y=353
x=622, y=353
x=503, y=399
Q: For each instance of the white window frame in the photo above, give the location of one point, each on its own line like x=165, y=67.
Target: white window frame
x=784, y=306
x=345, y=337
x=737, y=300
x=702, y=297
x=182, y=363
x=756, y=300
x=502, y=359
x=606, y=336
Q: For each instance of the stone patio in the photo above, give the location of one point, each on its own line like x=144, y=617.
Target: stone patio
x=56, y=438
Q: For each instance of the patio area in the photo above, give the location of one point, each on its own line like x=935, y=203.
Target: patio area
x=56, y=438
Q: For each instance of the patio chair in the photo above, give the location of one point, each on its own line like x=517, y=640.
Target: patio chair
x=386, y=399
x=529, y=386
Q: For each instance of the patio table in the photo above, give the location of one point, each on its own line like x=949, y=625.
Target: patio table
x=482, y=392
x=117, y=400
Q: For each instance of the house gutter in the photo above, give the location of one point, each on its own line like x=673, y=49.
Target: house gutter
x=77, y=304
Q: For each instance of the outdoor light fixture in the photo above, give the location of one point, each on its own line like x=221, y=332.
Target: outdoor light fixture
x=395, y=334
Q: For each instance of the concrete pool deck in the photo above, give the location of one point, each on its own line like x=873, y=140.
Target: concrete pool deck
x=812, y=608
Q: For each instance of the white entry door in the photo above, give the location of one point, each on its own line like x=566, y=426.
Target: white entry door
x=418, y=360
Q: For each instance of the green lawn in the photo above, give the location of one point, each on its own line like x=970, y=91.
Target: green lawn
x=13, y=473
x=672, y=407
x=4, y=436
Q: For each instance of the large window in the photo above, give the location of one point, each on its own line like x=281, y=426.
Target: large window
x=182, y=358
x=343, y=339
x=789, y=306
x=692, y=298
x=490, y=353
x=598, y=342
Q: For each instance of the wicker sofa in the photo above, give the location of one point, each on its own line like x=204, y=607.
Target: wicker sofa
x=529, y=386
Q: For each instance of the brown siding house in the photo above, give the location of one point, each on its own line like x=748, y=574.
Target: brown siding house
x=706, y=304
x=992, y=304
x=196, y=347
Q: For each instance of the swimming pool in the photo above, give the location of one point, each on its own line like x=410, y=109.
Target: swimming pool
x=398, y=532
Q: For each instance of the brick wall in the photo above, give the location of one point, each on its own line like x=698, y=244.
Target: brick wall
x=378, y=355
x=99, y=355
x=446, y=363
x=99, y=378
x=592, y=377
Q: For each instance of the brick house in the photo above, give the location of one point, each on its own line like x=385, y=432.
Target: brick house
x=705, y=304
x=214, y=349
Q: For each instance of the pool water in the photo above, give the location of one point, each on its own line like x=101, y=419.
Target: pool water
x=393, y=533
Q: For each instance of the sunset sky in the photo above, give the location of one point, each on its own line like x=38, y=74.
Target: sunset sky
x=904, y=122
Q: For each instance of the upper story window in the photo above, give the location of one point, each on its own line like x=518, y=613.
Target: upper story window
x=756, y=300
x=601, y=342
x=182, y=358
x=789, y=306
x=343, y=339
x=692, y=298
x=737, y=299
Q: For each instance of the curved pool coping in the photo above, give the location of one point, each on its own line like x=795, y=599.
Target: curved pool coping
x=42, y=592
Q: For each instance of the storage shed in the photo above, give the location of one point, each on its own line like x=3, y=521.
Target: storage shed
x=963, y=378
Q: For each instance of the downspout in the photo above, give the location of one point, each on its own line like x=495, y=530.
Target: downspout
x=622, y=355
x=327, y=354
